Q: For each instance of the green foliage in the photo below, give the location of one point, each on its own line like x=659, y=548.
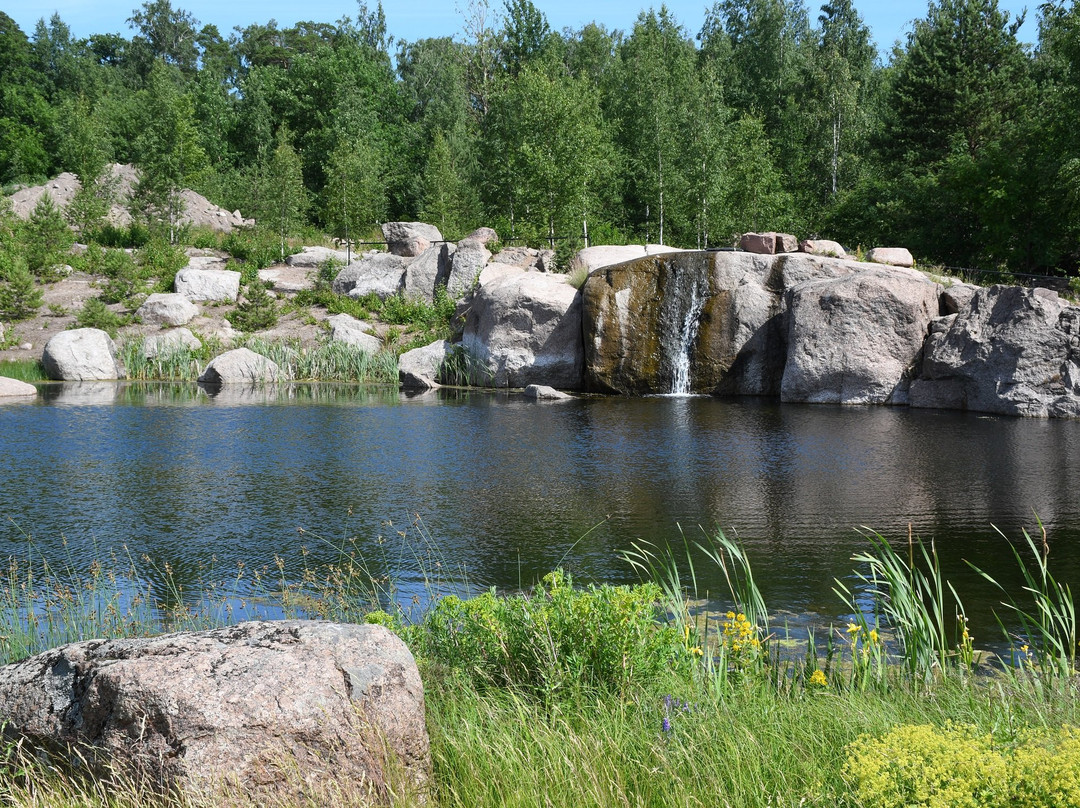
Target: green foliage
x=257, y=311
x=556, y=639
x=20, y=298
x=162, y=260
x=258, y=248
x=95, y=314
x=26, y=370
x=127, y=280
x=46, y=237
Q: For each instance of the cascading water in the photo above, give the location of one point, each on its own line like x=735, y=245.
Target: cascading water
x=684, y=299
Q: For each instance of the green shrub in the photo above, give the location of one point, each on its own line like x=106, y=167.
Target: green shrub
x=94, y=314
x=46, y=237
x=126, y=282
x=556, y=638
x=20, y=298
x=256, y=312
x=1045, y=769
x=158, y=258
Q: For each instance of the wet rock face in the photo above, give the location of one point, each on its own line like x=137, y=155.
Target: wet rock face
x=690, y=322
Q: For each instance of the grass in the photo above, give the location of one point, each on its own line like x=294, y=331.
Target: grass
x=27, y=370
x=614, y=696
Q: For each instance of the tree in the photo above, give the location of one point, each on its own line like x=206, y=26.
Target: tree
x=168, y=34
x=354, y=196
x=46, y=236
x=524, y=35
x=283, y=201
x=20, y=298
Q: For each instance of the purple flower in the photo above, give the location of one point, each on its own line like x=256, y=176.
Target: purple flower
x=666, y=724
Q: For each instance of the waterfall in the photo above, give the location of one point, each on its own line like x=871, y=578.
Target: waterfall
x=686, y=300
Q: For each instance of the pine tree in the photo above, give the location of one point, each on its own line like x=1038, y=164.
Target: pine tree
x=20, y=298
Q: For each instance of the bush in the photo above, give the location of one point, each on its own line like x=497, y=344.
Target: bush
x=20, y=297
x=94, y=314
x=46, y=236
x=158, y=258
x=556, y=638
x=256, y=312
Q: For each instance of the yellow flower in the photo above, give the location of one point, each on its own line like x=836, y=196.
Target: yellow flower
x=817, y=679
x=852, y=628
x=874, y=636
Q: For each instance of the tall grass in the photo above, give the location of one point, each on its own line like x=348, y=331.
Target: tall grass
x=27, y=370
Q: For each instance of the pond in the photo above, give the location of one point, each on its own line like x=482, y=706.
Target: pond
x=499, y=490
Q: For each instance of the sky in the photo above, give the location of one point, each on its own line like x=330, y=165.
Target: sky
x=889, y=20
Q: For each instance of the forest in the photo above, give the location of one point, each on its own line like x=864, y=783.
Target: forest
x=961, y=143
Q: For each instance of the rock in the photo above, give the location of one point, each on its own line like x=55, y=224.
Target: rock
x=856, y=339
x=820, y=246
x=84, y=354
x=893, y=256
x=409, y=239
x=208, y=284
x=1012, y=351
x=703, y=322
x=495, y=271
x=483, y=235
x=465, y=267
x=167, y=309
x=381, y=274
x=427, y=271
x=541, y=392
x=346, y=328
x=169, y=342
x=768, y=243
x=526, y=329
x=527, y=258
x=592, y=258
x=241, y=366
x=420, y=368
x=266, y=708
x=14, y=388
x=288, y=280
x=957, y=297
x=314, y=257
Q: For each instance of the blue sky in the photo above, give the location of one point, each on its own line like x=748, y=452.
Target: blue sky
x=415, y=19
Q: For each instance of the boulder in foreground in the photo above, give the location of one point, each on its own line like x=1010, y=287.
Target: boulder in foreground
x=81, y=355
x=265, y=708
x=241, y=366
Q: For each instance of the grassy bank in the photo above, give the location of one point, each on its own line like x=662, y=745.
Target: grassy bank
x=614, y=695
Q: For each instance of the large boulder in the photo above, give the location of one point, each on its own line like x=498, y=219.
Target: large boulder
x=381, y=274
x=167, y=309
x=241, y=366
x=856, y=339
x=768, y=243
x=526, y=329
x=409, y=239
x=84, y=354
x=821, y=246
x=466, y=264
x=168, y=342
x=208, y=284
x=420, y=368
x=265, y=709
x=314, y=257
x=14, y=388
x=893, y=256
x=427, y=271
x=592, y=258
x=527, y=258
x=689, y=322
x=1011, y=350
x=346, y=328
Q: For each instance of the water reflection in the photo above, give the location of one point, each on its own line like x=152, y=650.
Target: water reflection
x=508, y=489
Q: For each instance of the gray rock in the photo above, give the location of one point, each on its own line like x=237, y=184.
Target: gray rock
x=483, y=235
x=381, y=274
x=465, y=266
x=167, y=309
x=409, y=239
x=495, y=271
x=288, y=280
x=820, y=246
x=346, y=328
x=84, y=354
x=271, y=709
x=169, y=342
x=541, y=392
x=526, y=329
x=527, y=258
x=1013, y=351
x=856, y=339
x=957, y=296
x=14, y=388
x=314, y=257
x=592, y=258
x=893, y=256
x=241, y=366
x=768, y=243
x=208, y=284
x=427, y=271
x=420, y=368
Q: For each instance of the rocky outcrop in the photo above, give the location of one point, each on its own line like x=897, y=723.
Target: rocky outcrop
x=314, y=257
x=380, y=274
x=80, y=355
x=592, y=258
x=409, y=239
x=527, y=258
x=167, y=309
x=820, y=246
x=494, y=271
x=768, y=243
x=856, y=339
x=346, y=328
x=419, y=369
x=169, y=342
x=1013, y=351
x=240, y=366
x=14, y=388
x=199, y=284
x=525, y=329
x=465, y=266
x=262, y=708
x=427, y=271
